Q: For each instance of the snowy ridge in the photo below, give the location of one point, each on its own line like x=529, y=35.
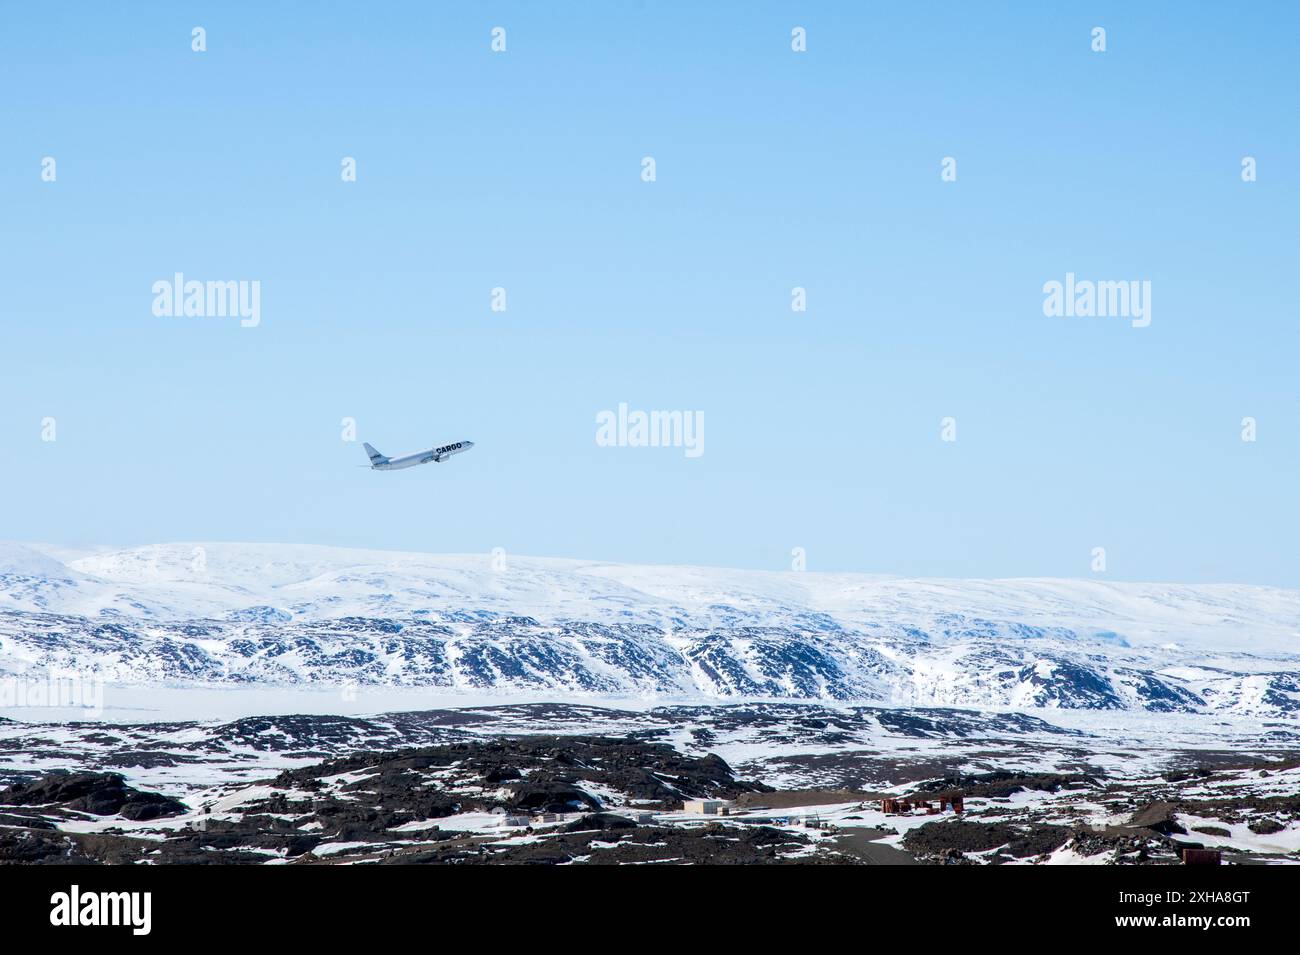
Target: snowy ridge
x=289, y=615
x=185, y=581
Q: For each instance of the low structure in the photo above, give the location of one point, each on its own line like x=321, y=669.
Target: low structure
x=707, y=807
x=1202, y=857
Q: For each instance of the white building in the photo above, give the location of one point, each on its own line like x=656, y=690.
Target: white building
x=707, y=807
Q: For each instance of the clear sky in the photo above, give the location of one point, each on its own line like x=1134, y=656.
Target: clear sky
x=774, y=168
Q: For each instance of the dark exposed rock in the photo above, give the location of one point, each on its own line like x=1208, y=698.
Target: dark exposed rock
x=542, y=773
x=1265, y=826
x=1000, y=784
x=1158, y=817
x=1125, y=846
x=938, y=839
x=707, y=845
x=1182, y=775
x=550, y=796
x=28, y=846
x=101, y=794
x=602, y=821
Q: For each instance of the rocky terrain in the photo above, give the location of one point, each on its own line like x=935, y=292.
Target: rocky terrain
x=481, y=786
x=388, y=807
x=792, y=745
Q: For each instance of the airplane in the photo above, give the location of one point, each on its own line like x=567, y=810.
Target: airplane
x=379, y=462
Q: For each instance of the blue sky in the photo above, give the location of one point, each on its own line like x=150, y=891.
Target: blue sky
x=775, y=169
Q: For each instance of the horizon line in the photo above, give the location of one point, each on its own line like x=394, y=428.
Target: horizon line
x=40, y=547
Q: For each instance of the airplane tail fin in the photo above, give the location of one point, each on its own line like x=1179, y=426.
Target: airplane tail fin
x=375, y=456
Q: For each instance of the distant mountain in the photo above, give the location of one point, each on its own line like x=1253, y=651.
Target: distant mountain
x=279, y=615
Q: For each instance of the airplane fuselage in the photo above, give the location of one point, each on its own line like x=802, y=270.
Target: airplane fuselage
x=422, y=457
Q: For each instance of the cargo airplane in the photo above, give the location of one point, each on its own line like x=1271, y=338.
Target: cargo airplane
x=380, y=462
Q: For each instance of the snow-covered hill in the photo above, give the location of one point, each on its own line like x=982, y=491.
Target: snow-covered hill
x=185, y=581
x=298, y=615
